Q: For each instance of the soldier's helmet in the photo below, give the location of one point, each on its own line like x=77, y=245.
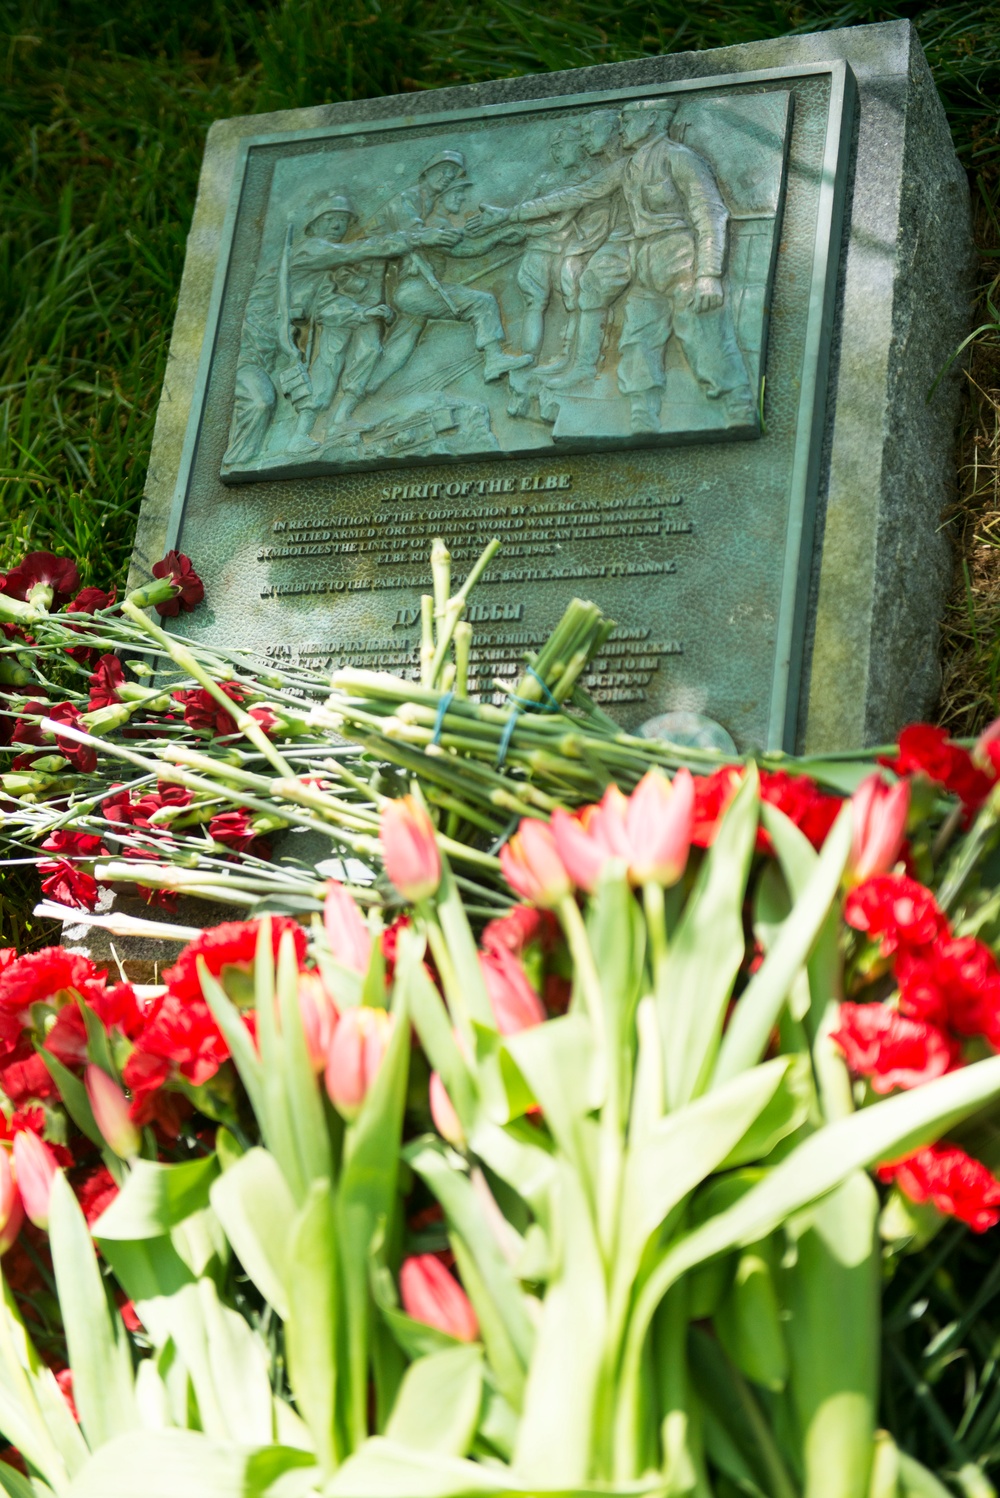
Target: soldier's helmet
x=320, y=207
x=455, y=157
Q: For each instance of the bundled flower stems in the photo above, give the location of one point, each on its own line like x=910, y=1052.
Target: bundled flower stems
x=568, y=1157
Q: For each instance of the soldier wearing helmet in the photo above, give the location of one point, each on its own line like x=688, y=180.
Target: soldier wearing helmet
x=313, y=327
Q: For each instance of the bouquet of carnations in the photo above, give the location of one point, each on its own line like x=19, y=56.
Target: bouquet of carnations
x=590, y=1199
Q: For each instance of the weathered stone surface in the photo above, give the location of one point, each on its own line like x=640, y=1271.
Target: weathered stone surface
x=866, y=584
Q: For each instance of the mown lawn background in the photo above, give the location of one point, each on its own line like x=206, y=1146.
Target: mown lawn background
x=103, y=115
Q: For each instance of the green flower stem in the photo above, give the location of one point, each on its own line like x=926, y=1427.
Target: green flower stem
x=575, y=932
x=455, y=607
x=654, y=906
x=187, y=661
x=441, y=574
x=463, y=647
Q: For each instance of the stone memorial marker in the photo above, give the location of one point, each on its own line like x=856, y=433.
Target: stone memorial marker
x=667, y=328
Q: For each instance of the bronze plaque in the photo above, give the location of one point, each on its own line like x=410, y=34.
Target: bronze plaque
x=592, y=325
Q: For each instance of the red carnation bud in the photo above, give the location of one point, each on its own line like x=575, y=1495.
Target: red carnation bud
x=190, y=588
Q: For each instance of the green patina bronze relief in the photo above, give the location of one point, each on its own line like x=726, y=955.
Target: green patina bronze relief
x=600, y=278
x=545, y=320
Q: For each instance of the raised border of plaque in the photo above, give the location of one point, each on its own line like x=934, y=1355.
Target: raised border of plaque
x=323, y=506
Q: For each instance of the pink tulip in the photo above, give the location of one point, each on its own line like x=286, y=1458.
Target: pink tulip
x=319, y=1018
x=446, y=1120
x=431, y=1295
x=650, y=831
x=355, y=1055
x=110, y=1108
x=409, y=849
x=879, y=814
x=349, y=937
x=11, y=1206
x=35, y=1168
x=659, y=823
x=532, y=867
x=515, y=1004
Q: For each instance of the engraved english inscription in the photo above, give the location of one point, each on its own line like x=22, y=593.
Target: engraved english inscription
x=597, y=278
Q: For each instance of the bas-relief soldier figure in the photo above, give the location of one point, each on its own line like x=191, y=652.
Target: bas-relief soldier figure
x=423, y=290
x=313, y=326
x=678, y=226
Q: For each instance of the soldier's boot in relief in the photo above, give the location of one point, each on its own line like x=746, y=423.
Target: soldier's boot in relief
x=590, y=339
x=740, y=409
x=559, y=363
x=301, y=441
x=496, y=363
x=645, y=415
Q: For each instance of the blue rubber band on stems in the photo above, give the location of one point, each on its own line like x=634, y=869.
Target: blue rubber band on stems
x=442, y=713
x=518, y=705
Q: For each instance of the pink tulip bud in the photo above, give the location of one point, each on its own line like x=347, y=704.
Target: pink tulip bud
x=446, y=1120
x=583, y=855
x=319, y=1018
x=35, y=1168
x=659, y=824
x=532, y=866
x=879, y=814
x=409, y=849
x=11, y=1206
x=111, y=1113
x=515, y=1004
x=359, y=1043
x=349, y=937
x=431, y=1295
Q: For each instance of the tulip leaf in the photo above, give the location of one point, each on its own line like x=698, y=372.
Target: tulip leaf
x=237, y=1038
x=156, y=1198
x=226, y=1362
x=835, y=1359
x=706, y=951
x=465, y=1216
x=437, y=1408
x=305, y=1106
x=15, y=1485
x=168, y=1463
x=884, y=1131
x=678, y=1154
x=255, y=1206
x=617, y=935
x=311, y=1278
x=96, y=1342
x=382, y=1468
x=434, y=1028
x=556, y=1433
x=366, y=1201
x=756, y=1014
x=786, y=1111
x=54, y=1446
x=74, y=1096
x=559, y=1062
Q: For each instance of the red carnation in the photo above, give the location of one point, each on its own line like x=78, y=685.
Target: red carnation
x=46, y=977
x=40, y=569
x=24, y=1075
x=926, y=750
x=802, y=801
x=203, y=714
x=953, y=1181
x=105, y=681
x=117, y=807
x=955, y=983
x=96, y=1192
x=234, y=829
x=183, y=1033
x=178, y=568
x=890, y=1049
x=264, y=718
x=67, y=1040
x=89, y=600
x=895, y=909
x=27, y=731
x=146, y=807
x=69, y=885
x=712, y=795
x=233, y=944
